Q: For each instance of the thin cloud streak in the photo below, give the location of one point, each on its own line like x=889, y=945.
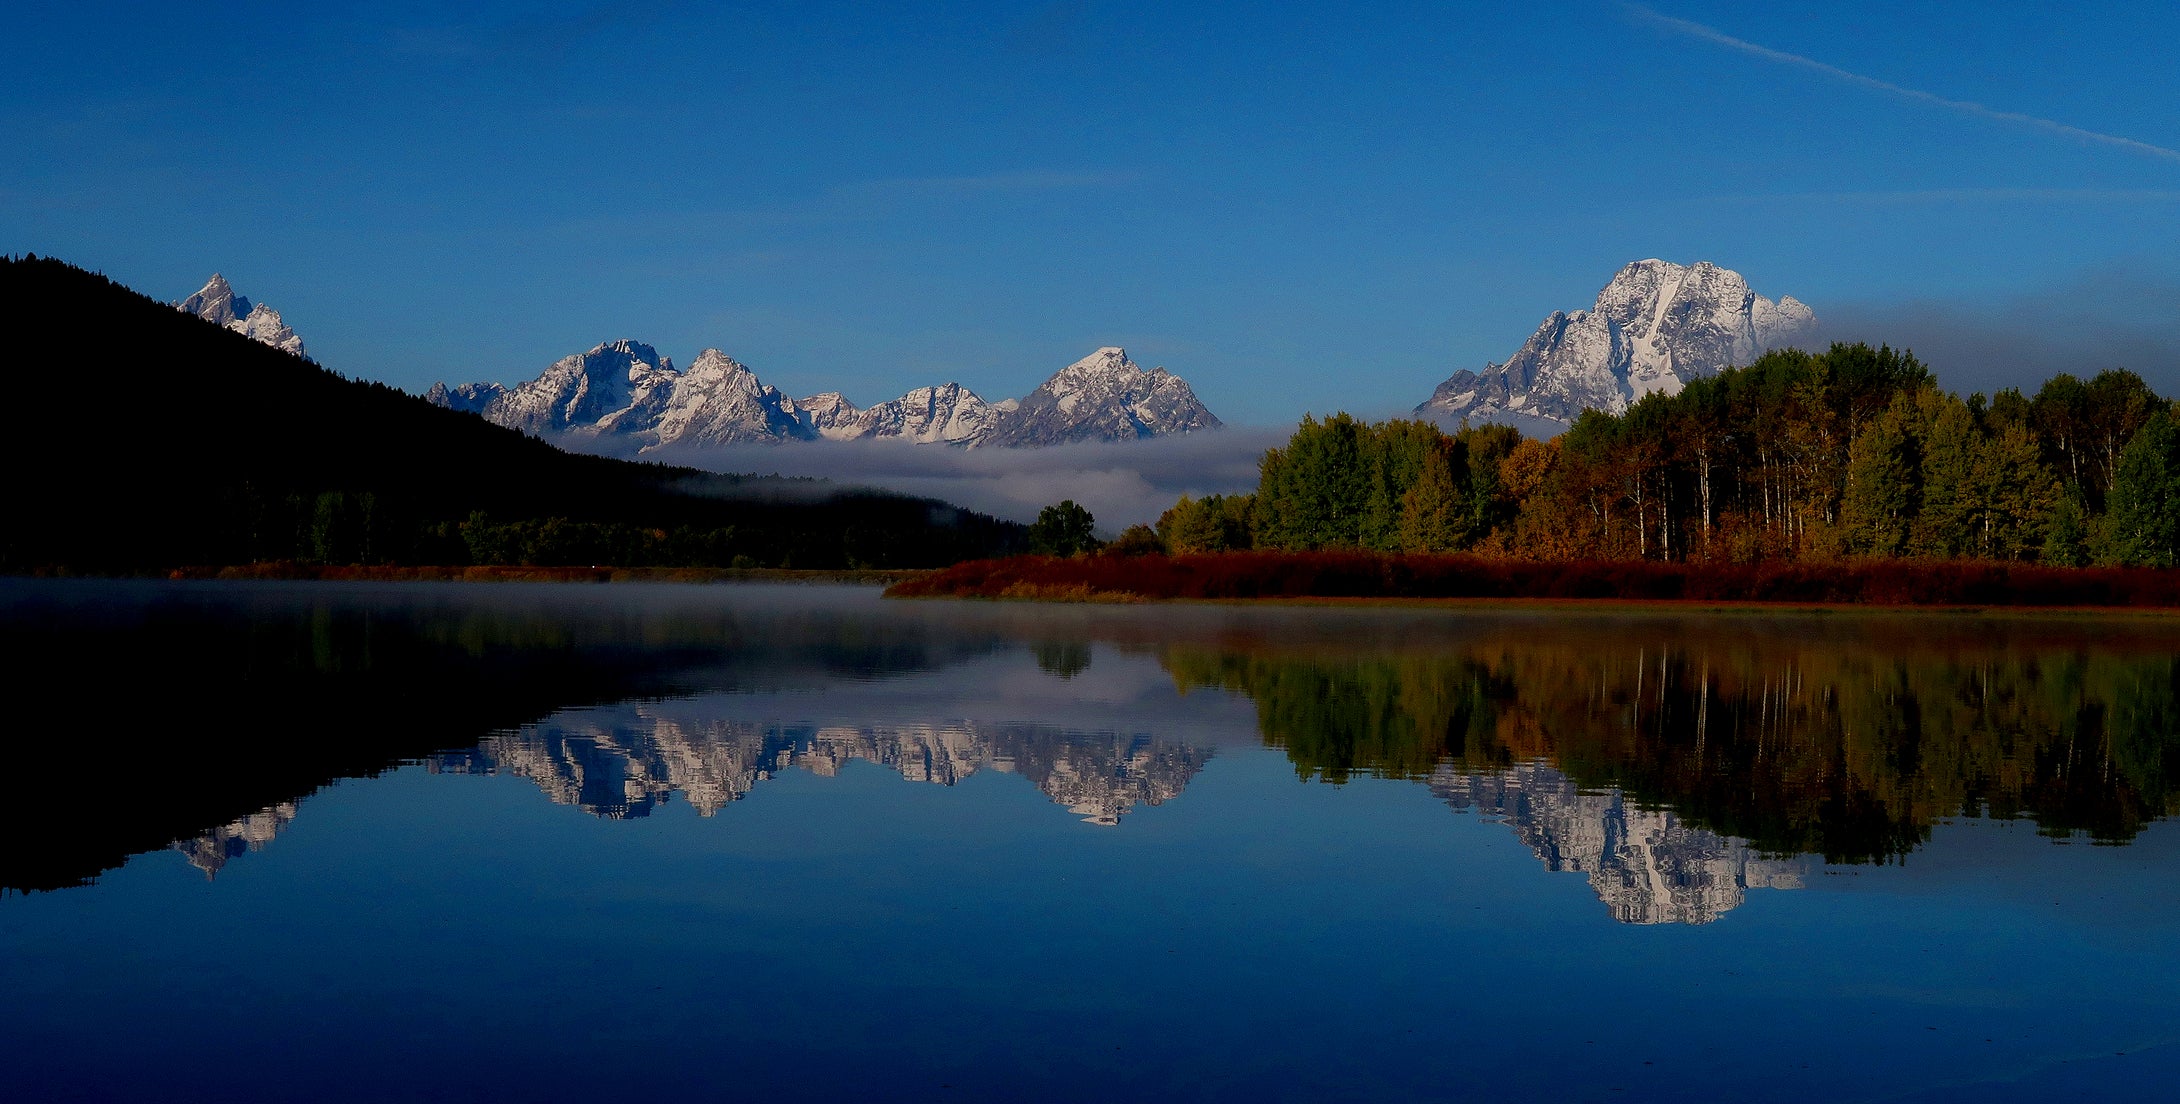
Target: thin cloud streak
x=1969, y=195
x=1966, y=107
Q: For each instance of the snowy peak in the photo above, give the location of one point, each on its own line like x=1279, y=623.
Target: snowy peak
x=1110, y=362
x=720, y=401
x=1103, y=397
x=1654, y=327
x=216, y=302
x=585, y=393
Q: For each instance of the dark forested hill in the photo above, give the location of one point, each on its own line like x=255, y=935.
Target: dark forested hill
x=142, y=437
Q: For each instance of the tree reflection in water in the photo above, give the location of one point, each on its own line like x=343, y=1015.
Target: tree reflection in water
x=1845, y=746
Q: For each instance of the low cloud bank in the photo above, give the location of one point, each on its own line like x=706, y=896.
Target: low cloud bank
x=2107, y=320
x=1121, y=483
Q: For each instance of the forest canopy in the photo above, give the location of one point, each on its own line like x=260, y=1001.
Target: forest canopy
x=1852, y=452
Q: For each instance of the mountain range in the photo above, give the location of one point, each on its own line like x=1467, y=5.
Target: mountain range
x=1654, y=327
x=625, y=393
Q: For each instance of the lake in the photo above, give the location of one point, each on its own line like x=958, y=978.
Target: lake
x=446, y=842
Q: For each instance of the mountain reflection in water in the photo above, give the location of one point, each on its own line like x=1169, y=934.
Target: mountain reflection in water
x=1646, y=865
x=1675, y=760
x=622, y=764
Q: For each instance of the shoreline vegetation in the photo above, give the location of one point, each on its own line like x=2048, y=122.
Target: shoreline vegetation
x=1352, y=575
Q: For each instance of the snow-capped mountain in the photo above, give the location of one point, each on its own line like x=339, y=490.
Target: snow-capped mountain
x=585, y=393
x=1102, y=397
x=217, y=303
x=1656, y=326
x=717, y=401
x=625, y=391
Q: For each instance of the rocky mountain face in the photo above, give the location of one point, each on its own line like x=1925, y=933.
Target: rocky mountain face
x=1656, y=326
x=1646, y=865
x=947, y=414
x=625, y=391
x=217, y=303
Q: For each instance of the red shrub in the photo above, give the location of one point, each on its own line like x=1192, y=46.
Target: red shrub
x=1231, y=575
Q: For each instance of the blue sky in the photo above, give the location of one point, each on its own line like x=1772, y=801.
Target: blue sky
x=1295, y=208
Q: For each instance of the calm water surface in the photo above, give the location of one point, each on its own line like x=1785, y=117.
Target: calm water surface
x=438, y=842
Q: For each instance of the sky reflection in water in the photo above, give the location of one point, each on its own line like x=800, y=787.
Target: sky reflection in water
x=839, y=847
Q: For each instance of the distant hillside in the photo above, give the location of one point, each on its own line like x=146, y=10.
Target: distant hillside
x=180, y=442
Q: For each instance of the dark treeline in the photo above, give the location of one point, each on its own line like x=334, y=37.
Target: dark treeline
x=1800, y=457
x=183, y=443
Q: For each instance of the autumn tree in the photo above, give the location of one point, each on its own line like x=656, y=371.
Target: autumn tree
x=1213, y=523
